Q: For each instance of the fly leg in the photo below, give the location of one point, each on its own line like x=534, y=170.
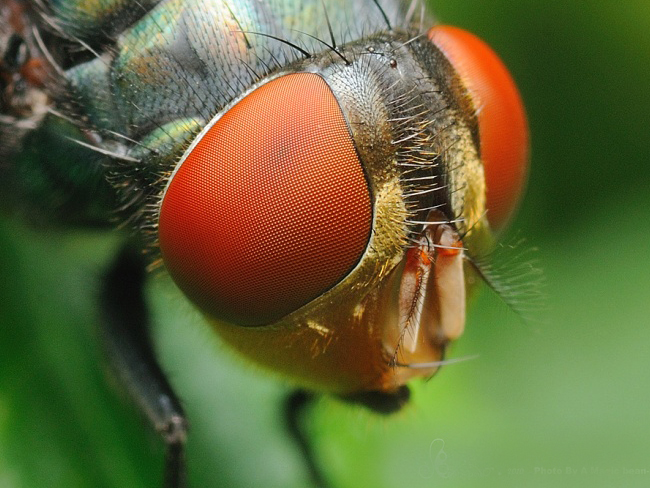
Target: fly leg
x=300, y=400
x=125, y=331
x=294, y=408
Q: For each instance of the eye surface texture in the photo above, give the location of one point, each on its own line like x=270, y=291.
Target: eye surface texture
x=270, y=207
x=503, y=130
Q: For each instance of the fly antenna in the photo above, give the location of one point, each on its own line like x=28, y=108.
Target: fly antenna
x=329, y=46
x=383, y=14
x=513, y=273
x=408, y=18
x=105, y=152
x=329, y=25
x=333, y=46
x=435, y=364
x=234, y=17
x=133, y=141
x=302, y=51
x=46, y=52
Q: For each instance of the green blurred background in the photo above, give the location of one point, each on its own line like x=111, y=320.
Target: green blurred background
x=559, y=402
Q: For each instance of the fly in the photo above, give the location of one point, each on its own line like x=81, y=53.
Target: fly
x=320, y=179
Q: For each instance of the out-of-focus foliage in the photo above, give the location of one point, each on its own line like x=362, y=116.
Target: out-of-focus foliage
x=559, y=402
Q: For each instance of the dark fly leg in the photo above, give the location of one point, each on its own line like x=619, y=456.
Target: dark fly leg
x=125, y=330
x=295, y=407
x=299, y=401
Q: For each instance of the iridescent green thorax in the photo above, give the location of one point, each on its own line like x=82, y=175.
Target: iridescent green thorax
x=160, y=64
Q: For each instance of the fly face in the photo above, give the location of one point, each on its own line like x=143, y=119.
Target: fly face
x=319, y=201
x=319, y=179
x=334, y=194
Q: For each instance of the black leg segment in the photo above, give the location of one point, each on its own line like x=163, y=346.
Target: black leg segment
x=295, y=405
x=125, y=333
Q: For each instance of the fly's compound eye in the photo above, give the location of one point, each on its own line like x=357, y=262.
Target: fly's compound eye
x=270, y=207
x=502, y=127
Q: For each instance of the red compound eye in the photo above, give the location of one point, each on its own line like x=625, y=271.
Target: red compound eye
x=503, y=131
x=270, y=208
